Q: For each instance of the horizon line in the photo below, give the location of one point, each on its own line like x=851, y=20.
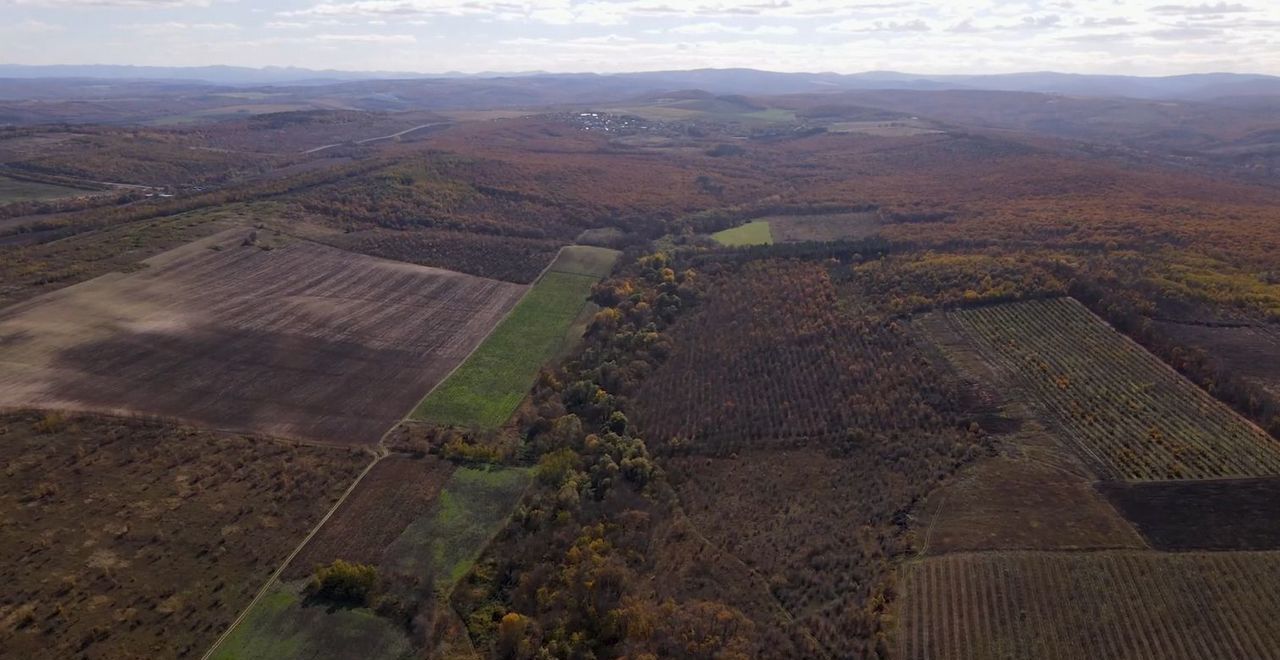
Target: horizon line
x=266, y=68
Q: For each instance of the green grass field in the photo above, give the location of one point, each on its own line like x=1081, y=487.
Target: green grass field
x=446, y=540
x=15, y=190
x=486, y=389
x=756, y=232
x=585, y=260
x=772, y=114
x=282, y=626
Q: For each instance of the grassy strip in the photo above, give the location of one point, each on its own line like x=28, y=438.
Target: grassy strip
x=282, y=625
x=486, y=389
x=16, y=190
x=585, y=260
x=756, y=232
x=471, y=508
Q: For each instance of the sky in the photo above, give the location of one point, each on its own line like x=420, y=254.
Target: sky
x=1142, y=37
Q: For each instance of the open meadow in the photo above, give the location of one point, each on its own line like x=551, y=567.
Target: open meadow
x=756, y=232
x=812, y=227
x=285, y=625
x=252, y=332
x=17, y=190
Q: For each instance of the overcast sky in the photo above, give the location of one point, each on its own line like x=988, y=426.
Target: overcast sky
x=955, y=36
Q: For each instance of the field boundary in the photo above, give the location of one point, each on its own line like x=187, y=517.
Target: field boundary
x=227, y=431
x=380, y=452
x=546, y=291
x=408, y=416
x=1218, y=440
x=933, y=522
x=377, y=458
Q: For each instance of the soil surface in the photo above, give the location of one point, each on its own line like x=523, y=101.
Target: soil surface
x=1228, y=514
x=268, y=335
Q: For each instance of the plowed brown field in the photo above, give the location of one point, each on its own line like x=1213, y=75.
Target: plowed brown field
x=292, y=339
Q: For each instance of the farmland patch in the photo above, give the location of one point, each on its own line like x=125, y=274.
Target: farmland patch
x=441, y=535
x=821, y=531
x=283, y=625
x=1084, y=605
x=272, y=335
x=798, y=436
x=885, y=128
x=17, y=190
x=756, y=232
x=596, y=262
x=1252, y=352
x=488, y=387
x=824, y=227
x=1228, y=514
x=127, y=538
x=30, y=270
x=397, y=490
x=1129, y=414
x=447, y=538
x=507, y=258
x=1025, y=500
x=776, y=357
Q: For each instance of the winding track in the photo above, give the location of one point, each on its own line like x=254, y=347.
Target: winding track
x=375, y=139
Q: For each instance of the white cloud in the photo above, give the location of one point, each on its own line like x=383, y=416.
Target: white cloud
x=1140, y=36
x=858, y=26
x=177, y=27
x=1110, y=21
x=131, y=4
x=721, y=28
x=1202, y=9
x=36, y=27
x=601, y=12
x=431, y=7
x=367, y=38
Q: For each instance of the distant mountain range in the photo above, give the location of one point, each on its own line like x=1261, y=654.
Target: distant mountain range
x=718, y=81
x=218, y=75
